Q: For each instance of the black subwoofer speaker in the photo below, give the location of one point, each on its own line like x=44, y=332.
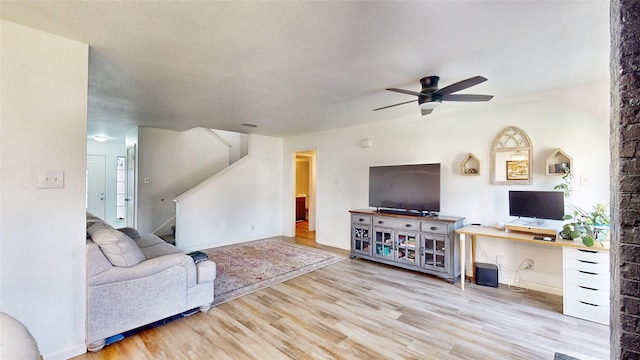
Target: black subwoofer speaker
x=486, y=274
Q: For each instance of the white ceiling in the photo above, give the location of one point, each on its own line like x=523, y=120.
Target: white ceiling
x=297, y=67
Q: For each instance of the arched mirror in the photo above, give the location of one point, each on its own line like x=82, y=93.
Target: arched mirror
x=511, y=158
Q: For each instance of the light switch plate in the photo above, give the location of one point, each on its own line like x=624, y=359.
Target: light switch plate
x=50, y=179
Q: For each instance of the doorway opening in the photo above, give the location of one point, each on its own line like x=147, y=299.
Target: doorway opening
x=96, y=185
x=305, y=197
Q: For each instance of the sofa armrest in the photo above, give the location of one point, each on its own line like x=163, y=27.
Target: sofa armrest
x=206, y=271
x=146, y=268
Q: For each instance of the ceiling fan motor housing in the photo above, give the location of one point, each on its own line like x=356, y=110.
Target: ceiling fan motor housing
x=429, y=100
x=429, y=83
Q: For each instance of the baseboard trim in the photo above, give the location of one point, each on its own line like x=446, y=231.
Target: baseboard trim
x=536, y=287
x=67, y=353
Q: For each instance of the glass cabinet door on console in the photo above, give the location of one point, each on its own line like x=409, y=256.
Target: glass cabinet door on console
x=383, y=243
x=407, y=247
x=361, y=239
x=434, y=254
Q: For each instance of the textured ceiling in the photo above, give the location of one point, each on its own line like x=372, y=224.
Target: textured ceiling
x=297, y=67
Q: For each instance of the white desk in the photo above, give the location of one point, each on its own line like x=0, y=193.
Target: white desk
x=473, y=231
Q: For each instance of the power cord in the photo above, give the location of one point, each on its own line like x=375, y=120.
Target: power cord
x=525, y=265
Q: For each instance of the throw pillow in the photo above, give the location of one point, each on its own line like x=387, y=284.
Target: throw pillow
x=120, y=249
x=130, y=232
x=92, y=219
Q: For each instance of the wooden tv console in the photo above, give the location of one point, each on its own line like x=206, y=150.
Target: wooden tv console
x=420, y=243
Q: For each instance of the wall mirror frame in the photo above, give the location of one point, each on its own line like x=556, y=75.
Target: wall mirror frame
x=511, y=158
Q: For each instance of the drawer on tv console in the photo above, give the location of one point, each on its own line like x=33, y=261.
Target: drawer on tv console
x=360, y=219
x=434, y=227
x=400, y=224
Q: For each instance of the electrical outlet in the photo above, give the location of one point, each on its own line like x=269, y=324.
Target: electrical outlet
x=585, y=180
x=528, y=264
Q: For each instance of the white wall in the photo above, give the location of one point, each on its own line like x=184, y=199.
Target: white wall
x=173, y=162
x=111, y=150
x=239, y=146
x=561, y=119
x=42, y=231
x=241, y=203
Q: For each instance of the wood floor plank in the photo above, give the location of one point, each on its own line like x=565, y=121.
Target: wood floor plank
x=356, y=309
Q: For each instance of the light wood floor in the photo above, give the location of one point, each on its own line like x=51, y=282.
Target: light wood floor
x=357, y=309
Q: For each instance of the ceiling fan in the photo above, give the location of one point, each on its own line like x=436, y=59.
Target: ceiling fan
x=430, y=97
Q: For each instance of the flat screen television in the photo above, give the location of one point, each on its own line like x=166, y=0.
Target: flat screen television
x=405, y=187
x=537, y=204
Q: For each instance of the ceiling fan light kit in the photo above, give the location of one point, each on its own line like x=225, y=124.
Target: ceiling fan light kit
x=430, y=97
x=430, y=104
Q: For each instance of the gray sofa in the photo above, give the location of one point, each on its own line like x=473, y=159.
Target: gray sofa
x=134, y=280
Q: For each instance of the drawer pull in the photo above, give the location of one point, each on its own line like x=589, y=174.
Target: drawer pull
x=588, y=251
x=433, y=228
x=587, y=272
x=361, y=219
x=587, y=262
x=407, y=225
x=587, y=288
x=590, y=304
x=380, y=222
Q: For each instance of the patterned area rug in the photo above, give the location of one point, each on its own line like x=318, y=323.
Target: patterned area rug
x=245, y=268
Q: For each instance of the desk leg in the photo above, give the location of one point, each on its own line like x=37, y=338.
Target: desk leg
x=473, y=257
x=463, y=247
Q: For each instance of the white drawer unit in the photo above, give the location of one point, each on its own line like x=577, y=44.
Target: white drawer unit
x=586, y=284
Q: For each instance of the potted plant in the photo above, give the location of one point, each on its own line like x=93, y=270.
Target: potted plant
x=565, y=185
x=589, y=226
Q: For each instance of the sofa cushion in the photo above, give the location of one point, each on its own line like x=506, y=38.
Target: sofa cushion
x=152, y=246
x=120, y=249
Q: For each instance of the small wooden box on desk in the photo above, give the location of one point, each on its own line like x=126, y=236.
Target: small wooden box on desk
x=533, y=230
x=538, y=230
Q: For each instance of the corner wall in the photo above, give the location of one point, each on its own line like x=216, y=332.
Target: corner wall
x=625, y=177
x=42, y=231
x=170, y=163
x=241, y=203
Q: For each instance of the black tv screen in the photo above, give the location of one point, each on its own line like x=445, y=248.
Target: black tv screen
x=537, y=204
x=405, y=187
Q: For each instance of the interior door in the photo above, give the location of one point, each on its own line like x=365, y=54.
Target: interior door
x=96, y=184
x=131, y=186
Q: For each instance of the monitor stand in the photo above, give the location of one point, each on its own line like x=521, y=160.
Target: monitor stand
x=535, y=226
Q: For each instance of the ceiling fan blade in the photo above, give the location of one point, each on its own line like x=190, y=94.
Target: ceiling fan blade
x=426, y=111
x=402, y=103
x=466, y=97
x=408, y=92
x=460, y=85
